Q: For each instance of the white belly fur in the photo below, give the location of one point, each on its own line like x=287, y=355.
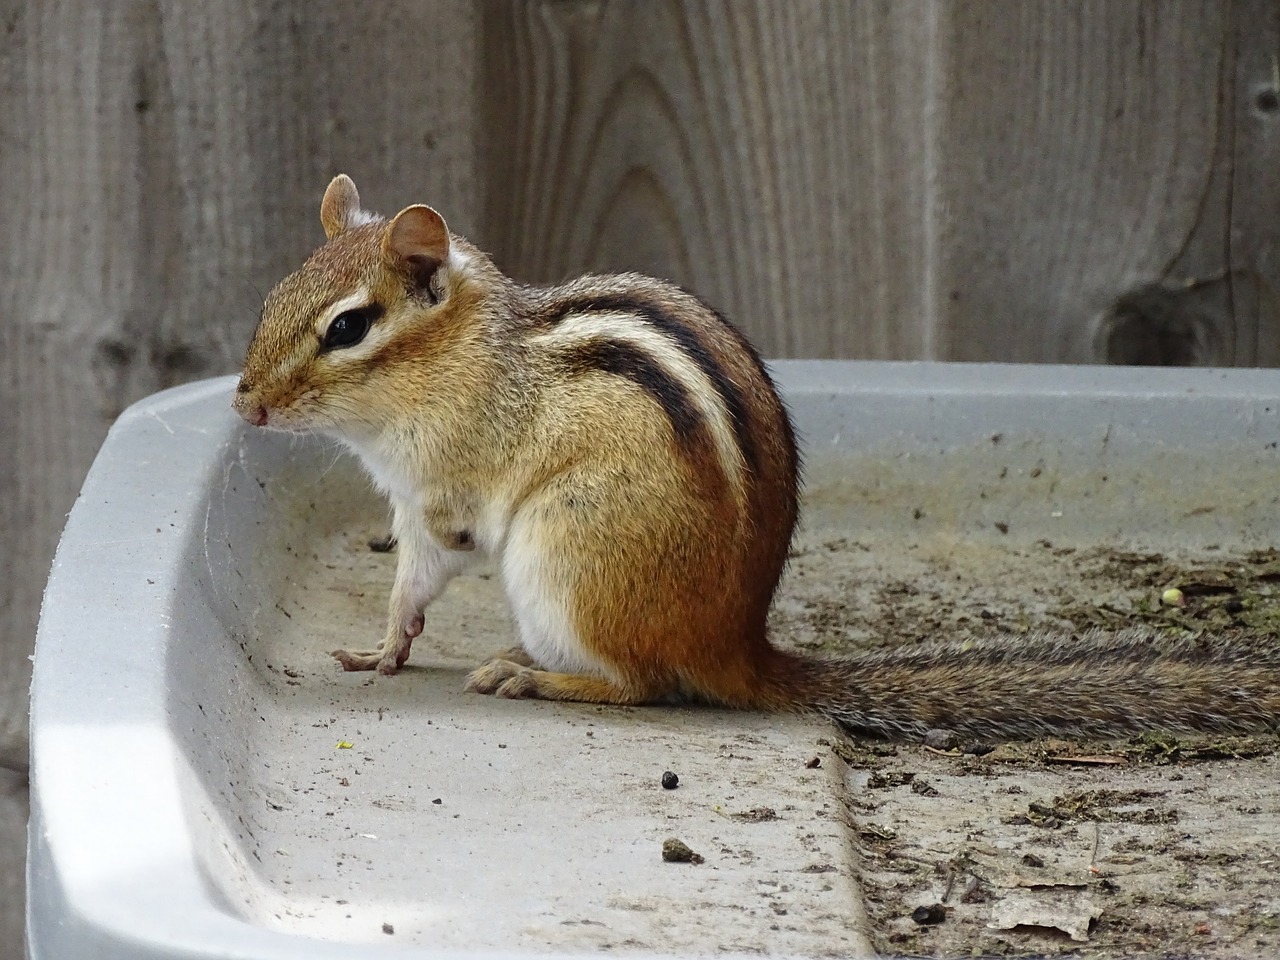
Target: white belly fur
x=539, y=600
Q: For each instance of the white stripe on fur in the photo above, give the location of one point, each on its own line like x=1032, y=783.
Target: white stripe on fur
x=578, y=328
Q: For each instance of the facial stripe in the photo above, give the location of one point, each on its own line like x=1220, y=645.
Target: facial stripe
x=380, y=335
x=662, y=320
x=641, y=350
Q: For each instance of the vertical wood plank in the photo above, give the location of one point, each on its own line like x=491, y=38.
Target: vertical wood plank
x=13, y=845
x=770, y=156
x=1078, y=149
x=1254, y=228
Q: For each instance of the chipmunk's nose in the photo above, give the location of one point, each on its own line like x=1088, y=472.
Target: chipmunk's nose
x=254, y=413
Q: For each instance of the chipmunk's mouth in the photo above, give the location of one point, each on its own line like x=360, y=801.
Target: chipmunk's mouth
x=288, y=418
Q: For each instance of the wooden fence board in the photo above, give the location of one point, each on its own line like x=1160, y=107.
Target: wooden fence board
x=1079, y=141
x=13, y=836
x=771, y=156
x=1253, y=245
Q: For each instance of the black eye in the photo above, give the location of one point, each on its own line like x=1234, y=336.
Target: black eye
x=349, y=328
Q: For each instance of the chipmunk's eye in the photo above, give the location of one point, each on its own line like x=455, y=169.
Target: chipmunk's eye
x=349, y=328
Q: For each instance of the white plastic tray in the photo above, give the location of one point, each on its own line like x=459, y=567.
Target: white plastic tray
x=191, y=793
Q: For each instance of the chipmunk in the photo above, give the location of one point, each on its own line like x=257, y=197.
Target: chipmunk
x=621, y=451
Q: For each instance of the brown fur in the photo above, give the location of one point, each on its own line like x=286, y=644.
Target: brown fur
x=579, y=455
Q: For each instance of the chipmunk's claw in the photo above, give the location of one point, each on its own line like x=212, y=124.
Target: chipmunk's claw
x=358, y=659
x=385, y=661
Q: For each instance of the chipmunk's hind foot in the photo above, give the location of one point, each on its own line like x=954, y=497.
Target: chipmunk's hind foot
x=505, y=678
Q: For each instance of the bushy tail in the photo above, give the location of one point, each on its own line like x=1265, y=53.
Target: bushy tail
x=1099, y=685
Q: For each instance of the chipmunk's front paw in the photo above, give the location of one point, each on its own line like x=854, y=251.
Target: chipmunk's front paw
x=391, y=654
x=358, y=659
x=385, y=661
x=503, y=678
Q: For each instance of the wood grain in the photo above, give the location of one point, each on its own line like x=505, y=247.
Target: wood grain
x=1253, y=245
x=13, y=846
x=1078, y=143
x=771, y=156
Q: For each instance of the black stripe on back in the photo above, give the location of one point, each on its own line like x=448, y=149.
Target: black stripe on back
x=687, y=341
x=625, y=360
x=788, y=428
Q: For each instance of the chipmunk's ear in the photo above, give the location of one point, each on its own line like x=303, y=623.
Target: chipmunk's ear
x=417, y=242
x=340, y=208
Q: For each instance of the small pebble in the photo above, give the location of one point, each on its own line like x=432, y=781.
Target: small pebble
x=934, y=913
x=383, y=544
x=677, y=851
x=670, y=781
x=814, y=763
x=388, y=929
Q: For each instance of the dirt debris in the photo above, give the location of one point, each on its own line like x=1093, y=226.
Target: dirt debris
x=1157, y=846
x=976, y=589
x=675, y=850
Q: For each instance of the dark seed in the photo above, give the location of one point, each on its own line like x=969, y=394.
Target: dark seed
x=934, y=913
x=388, y=929
x=670, y=781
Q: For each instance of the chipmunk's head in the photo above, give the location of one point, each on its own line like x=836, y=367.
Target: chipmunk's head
x=370, y=308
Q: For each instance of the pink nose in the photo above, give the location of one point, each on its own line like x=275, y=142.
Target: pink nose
x=255, y=415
